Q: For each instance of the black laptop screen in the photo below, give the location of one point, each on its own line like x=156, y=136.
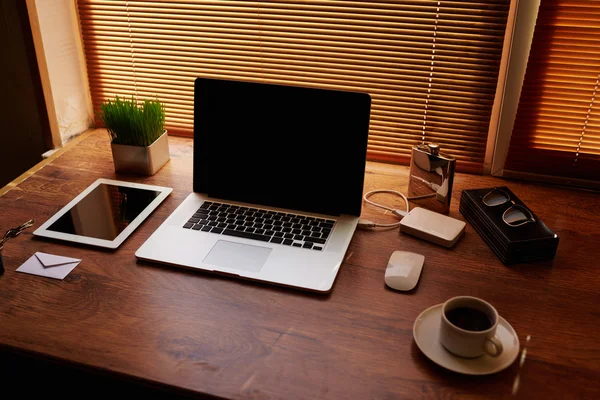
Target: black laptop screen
x=281, y=146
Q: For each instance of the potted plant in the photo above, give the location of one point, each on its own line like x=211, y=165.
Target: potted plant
x=138, y=136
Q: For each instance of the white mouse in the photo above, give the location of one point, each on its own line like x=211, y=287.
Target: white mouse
x=403, y=270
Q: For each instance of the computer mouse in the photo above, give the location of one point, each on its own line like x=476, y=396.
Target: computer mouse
x=403, y=270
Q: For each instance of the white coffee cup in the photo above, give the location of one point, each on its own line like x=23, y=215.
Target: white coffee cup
x=464, y=330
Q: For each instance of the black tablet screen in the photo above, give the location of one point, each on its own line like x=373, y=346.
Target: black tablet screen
x=104, y=212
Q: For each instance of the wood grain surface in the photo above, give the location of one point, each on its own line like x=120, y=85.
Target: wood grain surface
x=208, y=334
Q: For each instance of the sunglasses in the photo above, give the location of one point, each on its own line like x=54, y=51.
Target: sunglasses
x=515, y=215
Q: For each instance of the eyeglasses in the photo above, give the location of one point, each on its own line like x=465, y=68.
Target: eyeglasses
x=515, y=215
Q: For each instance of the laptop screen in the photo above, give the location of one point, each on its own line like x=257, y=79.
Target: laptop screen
x=281, y=146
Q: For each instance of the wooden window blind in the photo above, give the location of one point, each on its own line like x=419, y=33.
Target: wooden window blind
x=557, y=126
x=431, y=67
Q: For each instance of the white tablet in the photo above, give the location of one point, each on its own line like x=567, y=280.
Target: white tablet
x=105, y=213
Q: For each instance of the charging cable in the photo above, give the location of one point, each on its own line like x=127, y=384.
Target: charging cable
x=366, y=224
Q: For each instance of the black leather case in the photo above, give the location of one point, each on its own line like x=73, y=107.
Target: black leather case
x=529, y=242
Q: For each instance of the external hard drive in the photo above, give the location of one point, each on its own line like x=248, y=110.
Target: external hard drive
x=434, y=227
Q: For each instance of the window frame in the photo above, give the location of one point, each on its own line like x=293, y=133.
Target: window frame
x=515, y=66
x=517, y=42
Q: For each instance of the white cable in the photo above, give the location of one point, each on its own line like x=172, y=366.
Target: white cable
x=366, y=198
x=398, y=213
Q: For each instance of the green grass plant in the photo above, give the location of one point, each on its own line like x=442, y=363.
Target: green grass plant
x=131, y=124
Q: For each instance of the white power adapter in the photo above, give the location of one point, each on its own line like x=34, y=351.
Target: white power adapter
x=434, y=227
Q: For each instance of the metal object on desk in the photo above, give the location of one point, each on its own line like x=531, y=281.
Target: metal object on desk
x=431, y=177
x=12, y=233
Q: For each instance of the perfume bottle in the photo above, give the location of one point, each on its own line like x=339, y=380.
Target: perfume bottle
x=431, y=177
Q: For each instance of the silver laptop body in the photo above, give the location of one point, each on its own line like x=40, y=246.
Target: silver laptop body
x=278, y=182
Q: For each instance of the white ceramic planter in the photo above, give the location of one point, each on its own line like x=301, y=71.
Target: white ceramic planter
x=141, y=160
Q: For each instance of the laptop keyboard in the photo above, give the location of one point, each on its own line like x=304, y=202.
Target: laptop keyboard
x=264, y=225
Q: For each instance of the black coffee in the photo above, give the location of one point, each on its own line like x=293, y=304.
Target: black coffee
x=469, y=319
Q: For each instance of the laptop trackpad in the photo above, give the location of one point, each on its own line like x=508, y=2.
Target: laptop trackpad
x=237, y=256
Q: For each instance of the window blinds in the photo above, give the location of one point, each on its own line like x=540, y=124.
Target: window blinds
x=557, y=127
x=431, y=67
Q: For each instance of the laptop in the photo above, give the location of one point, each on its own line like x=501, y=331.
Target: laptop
x=278, y=174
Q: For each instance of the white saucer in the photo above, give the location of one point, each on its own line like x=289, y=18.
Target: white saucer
x=426, y=330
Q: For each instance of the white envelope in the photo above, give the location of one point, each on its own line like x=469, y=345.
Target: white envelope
x=49, y=265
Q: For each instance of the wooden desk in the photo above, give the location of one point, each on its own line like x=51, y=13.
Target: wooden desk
x=207, y=334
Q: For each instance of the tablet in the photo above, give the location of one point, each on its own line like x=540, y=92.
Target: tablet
x=105, y=213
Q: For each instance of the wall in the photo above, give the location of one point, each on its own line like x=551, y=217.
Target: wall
x=65, y=64
x=22, y=107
